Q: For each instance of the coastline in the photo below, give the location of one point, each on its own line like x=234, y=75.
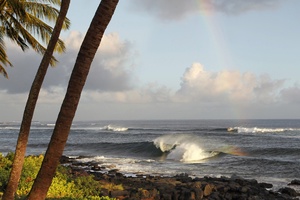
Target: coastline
x=181, y=186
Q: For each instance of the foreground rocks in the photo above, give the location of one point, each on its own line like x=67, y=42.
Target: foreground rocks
x=183, y=187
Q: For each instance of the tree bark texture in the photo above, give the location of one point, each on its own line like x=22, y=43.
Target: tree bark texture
x=67, y=112
x=20, y=151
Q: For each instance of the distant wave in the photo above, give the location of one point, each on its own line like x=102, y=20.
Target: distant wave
x=180, y=129
x=115, y=128
x=36, y=125
x=9, y=128
x=260, y=130
x=94, y=127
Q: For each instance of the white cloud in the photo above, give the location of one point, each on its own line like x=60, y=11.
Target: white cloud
x=111, y=68
x=202, y=92
x=226, y=86
x=74, y=40
x=202, y=87
x=111, y=71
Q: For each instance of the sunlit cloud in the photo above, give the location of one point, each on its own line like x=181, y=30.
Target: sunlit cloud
x=200, y=85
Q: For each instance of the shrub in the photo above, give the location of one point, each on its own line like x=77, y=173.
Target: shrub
x=5, y=166
x=30, y=170
x=64, y=185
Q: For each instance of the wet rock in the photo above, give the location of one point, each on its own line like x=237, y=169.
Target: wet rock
x=96, y=167
x=183, y=187
x=208, y=189
x=295, y=182
x=113, y=172
x=184, y=178
x=198, y=193
x=65, y=160
x=265, y=185
x=289, y=191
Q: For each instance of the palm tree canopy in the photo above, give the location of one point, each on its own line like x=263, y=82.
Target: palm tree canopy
x=26, y=23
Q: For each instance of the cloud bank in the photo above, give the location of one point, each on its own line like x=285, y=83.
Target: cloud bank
x=114, y=91
x=199, y=84
x=109, y=71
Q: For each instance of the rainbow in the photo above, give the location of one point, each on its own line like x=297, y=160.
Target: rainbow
x=219, y=44
x=208, y=16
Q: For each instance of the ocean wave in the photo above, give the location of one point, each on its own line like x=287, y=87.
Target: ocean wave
x=260, y=130
x=184, y=148
x=136, y=149
x=276, y=152
x=95, y=127
x=9, y=128
x=115, y=128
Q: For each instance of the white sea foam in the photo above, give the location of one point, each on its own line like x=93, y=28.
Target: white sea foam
x=94, y=127
x=125, y=165
x=189, y=152
x=184, y=148
x=263, y=130
x=9, y=128
x=115, y=128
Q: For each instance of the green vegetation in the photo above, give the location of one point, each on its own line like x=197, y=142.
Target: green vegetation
x=65, y=186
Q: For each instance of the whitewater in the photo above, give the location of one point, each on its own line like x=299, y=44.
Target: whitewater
x=266, y=150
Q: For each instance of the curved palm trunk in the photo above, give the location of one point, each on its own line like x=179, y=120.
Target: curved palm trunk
x=30, y=106
x=78, y=77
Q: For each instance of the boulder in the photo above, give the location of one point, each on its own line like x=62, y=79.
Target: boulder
x=295, y=182
x=289, y=191
x=208, y=189
x=265, y=185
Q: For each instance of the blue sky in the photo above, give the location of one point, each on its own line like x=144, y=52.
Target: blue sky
x=186, y=60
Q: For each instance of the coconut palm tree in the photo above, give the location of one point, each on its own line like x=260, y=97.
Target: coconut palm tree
x=26, y=23
x=30, y=105
x=67, y=112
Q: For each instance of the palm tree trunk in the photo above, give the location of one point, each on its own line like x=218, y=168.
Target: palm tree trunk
x=67, y=112
x=30, y=106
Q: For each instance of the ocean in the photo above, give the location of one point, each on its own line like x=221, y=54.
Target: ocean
x=265, y=150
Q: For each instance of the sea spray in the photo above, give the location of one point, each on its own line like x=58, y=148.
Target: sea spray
x=183, y=147
x=264, y=130
x=190, y=153
x=115, y=128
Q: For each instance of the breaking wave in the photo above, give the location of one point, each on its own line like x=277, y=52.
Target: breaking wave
x=183, y=148
x=115, y=128
x=260, y=130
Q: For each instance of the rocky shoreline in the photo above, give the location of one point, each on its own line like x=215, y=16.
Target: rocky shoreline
x=181, y=186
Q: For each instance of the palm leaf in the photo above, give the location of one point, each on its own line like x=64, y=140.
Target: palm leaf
x=26, y=22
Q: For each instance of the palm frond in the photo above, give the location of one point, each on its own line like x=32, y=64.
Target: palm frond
x=3, y=56
x=3, y=72
x=26, y=22
x=45, y=12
